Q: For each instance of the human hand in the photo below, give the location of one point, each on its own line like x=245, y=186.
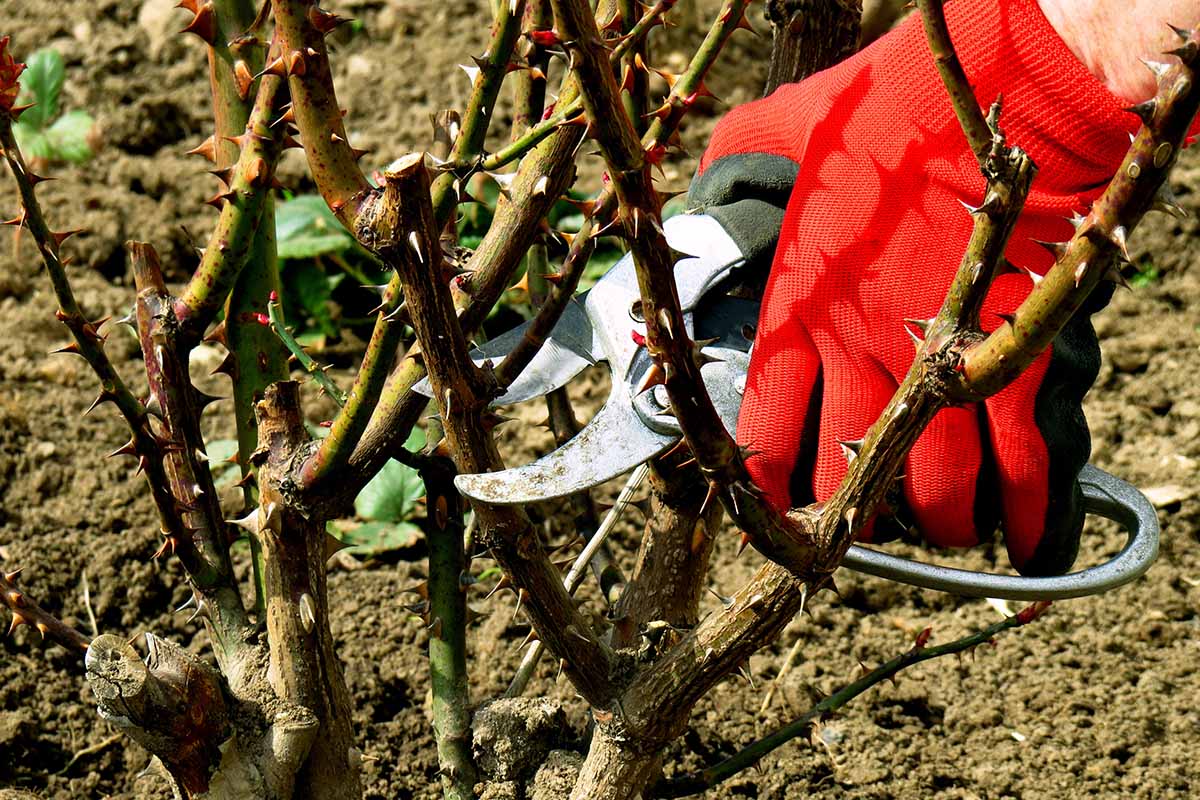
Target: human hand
x=873, y=234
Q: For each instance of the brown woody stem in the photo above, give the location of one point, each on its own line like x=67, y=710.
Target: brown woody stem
x=25, y=611
x=1100, y=239
x=667, y=341
x=809, y=35
x=301, y=27
x=962, y=97
x=203, y=543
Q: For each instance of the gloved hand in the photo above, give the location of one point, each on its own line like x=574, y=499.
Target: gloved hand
x=873, y=233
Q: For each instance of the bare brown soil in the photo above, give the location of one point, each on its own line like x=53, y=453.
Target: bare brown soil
x=1097, y=699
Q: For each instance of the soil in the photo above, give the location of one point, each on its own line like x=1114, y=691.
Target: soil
x=1096, y=699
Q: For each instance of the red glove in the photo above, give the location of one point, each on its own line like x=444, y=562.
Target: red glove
x=873, y=234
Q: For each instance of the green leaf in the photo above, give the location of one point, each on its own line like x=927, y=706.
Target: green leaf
x=392, y=494
x=306, y=228
x=1147, y=277
x=41, y=84
x=69, y=137
x=219, y=451
x=373, y=538
x=33, y=142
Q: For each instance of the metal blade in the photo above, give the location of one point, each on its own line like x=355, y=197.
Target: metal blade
x=568, y=349
x=613, y=442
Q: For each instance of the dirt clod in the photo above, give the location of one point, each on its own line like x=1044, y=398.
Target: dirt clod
x=513, y=735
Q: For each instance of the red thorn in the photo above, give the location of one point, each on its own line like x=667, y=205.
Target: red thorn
x=204, y=24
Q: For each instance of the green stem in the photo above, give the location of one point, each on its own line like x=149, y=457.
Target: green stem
x=258, y=359
x=335, y=450
x=478, y=116
x=448, y=630
x=242, y=207
x=962, y=97
x=750, y=755
x=318, y=373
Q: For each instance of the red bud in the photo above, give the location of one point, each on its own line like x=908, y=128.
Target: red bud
x=638, y=339
x=544, y=38
x=923, y=638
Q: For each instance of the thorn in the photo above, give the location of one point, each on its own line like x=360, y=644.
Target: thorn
x=1159, y=68
x=1119, y=238
x=1114, y=275
x=250, y=522
x=1144, y=111
x=1079, y=272
x=1056, y=249
x=745, y=540
x=204, y=24
x=851, y=449
x=1166, y=202
x=324, y=21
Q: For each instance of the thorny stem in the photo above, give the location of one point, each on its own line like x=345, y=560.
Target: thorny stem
x=25, y=611
x=335, y=450
x=242, y=206
x=462, y=392
x=678, y=357
x=144, y=445
x=962, y=97
x=562, y=292
x=301, y=28
x=204, y=545
x=529, y=85
x=541, y=178
x=307, y=363
x=759, y=611
x=569, y=107
x=753, y=753
x=235, y=54
x=492, y=68
x=635, y=79
x=1101, y=237
x=574, y=577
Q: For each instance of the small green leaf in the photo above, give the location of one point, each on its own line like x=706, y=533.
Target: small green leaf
x=392, y=494
x=69, y=136
x=219, y=451
x=41, y=84
x=1146, y=277
x=373, y=538
x=306, y=228
x=33, y=142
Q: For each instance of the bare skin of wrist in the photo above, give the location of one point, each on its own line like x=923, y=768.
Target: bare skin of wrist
x=1110, y=36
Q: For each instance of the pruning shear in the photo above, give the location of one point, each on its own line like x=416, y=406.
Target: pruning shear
x=635, y=423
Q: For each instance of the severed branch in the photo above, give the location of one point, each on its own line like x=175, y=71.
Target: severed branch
x=753, y=753
x=25, y=611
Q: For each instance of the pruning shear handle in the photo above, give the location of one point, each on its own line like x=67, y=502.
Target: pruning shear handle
x=1105, y=495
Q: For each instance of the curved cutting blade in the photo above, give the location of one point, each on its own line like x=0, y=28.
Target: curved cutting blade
x=568, y=349
x=614, y=441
